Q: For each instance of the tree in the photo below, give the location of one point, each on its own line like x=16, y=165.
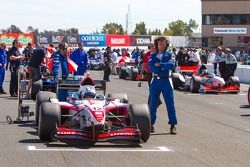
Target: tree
x=30, y=29
x=180, y=28
x=13, y=29
x=140, y=29
x=112, y=28
x=156, y=32
x=168, y=32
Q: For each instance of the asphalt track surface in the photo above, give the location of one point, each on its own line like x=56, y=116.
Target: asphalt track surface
x=213, y=130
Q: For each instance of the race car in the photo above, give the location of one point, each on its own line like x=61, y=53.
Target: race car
x=95, y=64
x=128, y=70
x=92, y=117
x=204, y=82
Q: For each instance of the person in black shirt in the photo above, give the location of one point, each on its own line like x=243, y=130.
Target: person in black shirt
x=182, y=57
x=28, y=53
x=34, y=66
x=107, y=64
x=15, y=59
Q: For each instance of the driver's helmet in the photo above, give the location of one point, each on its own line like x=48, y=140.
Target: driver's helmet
x=204, y=72
x=86, y=91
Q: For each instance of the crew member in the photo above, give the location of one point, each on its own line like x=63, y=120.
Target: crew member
x=15, y=60
x=60, y=69
x=3, y=60
x=231, y=64
x=221, y=60
x=160, y=64
x=107, y=64
x=28, y=53
x=80, y=57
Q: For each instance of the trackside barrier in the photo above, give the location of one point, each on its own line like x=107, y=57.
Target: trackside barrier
x=242, y=71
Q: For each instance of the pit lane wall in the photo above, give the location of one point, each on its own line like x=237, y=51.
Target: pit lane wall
x=242, y=71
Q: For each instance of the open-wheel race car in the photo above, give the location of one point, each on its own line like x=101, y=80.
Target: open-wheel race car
x=199, y=80
x=129, y=70
x=91, y=117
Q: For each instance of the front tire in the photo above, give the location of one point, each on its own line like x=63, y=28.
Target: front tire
x=140, y=116
x=195, y=84
x=49, y=118
x=41, y=97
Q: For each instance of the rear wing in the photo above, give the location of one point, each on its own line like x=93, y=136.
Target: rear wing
x=188, y=68
x=74, y=85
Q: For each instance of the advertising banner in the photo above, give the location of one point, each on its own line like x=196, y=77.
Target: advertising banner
x=140, y=40
x=230, y=30
x=58, y=39
x=23, y=39
x=118, y=40
x=44, y=39
x=93, y=40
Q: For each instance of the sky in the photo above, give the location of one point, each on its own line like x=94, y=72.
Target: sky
x=91, y=15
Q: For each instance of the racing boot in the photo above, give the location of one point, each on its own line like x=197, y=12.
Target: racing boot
x=173, y=130
x=2, y=91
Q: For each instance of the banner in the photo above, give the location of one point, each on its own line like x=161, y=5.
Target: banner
x=58, y=39
x=140, y=40
x=230, y=30
x=118, y=40
x=44, y=39
x=23, y=39
x=93, y=40
x=72, y=39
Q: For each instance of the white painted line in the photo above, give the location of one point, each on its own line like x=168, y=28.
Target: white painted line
x=160, y=149
x=242, y=94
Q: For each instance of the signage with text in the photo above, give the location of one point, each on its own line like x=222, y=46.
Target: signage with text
x=93, y=40
x=230, y=30
x=118, y=40
x=23, y=39
x=140, y=40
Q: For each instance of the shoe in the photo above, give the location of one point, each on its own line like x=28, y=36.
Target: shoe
x=173, y=130
x=2, y=92
x=152, y=129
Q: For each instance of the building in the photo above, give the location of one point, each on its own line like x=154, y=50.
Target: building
x=226, y=23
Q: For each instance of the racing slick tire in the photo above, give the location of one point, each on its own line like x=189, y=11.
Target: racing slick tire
x=36, y=87
x=234, y=81
x=49, y=118
x=134, y=74
x=248, y=95
x=176, y=80
x=140, y=117
x=195, y=84
x=122, y=96
x=122, y=74
x=42, y=96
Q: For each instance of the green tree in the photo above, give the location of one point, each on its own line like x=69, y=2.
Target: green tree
x=140, y=29
x=30, y=29
x=156, y=32
x=180, y=28
x=112, y=28
x=13, y=29
x=168, y=32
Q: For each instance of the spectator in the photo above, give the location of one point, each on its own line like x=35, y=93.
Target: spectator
x=27, y=53
x=107, y=64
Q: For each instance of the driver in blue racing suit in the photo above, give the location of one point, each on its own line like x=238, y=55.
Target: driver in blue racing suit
x=60, y=69
x=80, y=57
x=160, y=64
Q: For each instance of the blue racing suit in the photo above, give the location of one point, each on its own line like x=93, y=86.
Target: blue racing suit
x=3, y=60
x=160, y=84
x=136, y=55
x=60, y=70
x=81, y=59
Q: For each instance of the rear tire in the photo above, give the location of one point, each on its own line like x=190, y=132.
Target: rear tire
x=49, y=118
x=36, y=87
x=195, y=84
x=41, y=97
x=176, y=80
x=234, y=81
x=122, y=96
x=140, y=116
x=134, y=74
x=122, y=74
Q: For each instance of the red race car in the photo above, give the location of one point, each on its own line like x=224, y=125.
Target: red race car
x=92, y=117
